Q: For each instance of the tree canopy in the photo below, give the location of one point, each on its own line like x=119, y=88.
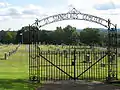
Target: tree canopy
x=66, y=35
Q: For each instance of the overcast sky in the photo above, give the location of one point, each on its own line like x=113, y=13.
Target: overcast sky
x=17, y=13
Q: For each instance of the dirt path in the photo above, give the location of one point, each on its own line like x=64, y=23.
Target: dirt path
x=77, y=85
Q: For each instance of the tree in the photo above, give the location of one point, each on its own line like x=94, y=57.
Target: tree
x=75, y=38
x=23, y=34
x=57, y=35
x=68, y=34
x=2, y=36
x=8, y=37
x=90, y=36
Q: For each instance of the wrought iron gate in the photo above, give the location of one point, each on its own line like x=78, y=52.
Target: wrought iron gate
x=73, y=64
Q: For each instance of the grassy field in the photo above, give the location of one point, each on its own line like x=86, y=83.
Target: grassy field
x=14, y=70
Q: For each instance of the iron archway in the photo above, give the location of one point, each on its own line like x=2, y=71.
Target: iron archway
x=34, y=67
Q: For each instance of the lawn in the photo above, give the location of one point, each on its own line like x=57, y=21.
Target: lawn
x=14, y=70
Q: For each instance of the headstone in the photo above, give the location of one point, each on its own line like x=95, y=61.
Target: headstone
x=95, y=56
x=39, y=43
x=48, y=51
x=43, y=43
x=56, y=45
x=9, y=53
x=92, y=48
x=73, y=63
x=63, y=45
x=112, y=58
x=69, y=50
x=6, y=56
x=65, y=53
x=58, y=50
x=87, y=57
x=103, y=65
x=61, y=53
x=113, y=74
x=72, y=52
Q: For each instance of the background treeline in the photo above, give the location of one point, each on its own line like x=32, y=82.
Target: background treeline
x=66, y=35
x=7, y=37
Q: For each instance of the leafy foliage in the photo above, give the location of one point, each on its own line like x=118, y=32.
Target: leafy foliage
x=90, y=36
x=66, y=35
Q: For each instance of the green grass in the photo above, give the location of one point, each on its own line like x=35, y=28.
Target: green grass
x=14, y=70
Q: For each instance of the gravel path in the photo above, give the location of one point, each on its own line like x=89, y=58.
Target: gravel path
x=77, y=85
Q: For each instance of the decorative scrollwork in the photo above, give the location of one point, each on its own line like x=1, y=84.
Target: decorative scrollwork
x=72, y=15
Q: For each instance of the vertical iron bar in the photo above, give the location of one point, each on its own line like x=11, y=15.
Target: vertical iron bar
x=69, y=64
x=46, y=65
x=74, y=64
x=80, y=58
x=29, y=53
x=59, y=59
x=51, y=72
x=49, y=64
x=97, y=75
x=54, y=63
x=63, y=67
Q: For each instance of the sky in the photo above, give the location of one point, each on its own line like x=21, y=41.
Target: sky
x=14, y=14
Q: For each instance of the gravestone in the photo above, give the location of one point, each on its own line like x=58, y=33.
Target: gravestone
x=103, y=64
x=112, y=58
x=65, y=53
x=6, y=56
x=95, y=56
x=87, y=57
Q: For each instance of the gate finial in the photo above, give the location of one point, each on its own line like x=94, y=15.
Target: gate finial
x=36, y=21
x=74, y=10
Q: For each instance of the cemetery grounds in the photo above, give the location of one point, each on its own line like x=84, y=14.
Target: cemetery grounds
x=14, y=70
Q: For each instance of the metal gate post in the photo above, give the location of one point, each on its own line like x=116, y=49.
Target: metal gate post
x=112, y=49
x=109, y=44
x=116, y=52
x=34, y=63
x=29, y=53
